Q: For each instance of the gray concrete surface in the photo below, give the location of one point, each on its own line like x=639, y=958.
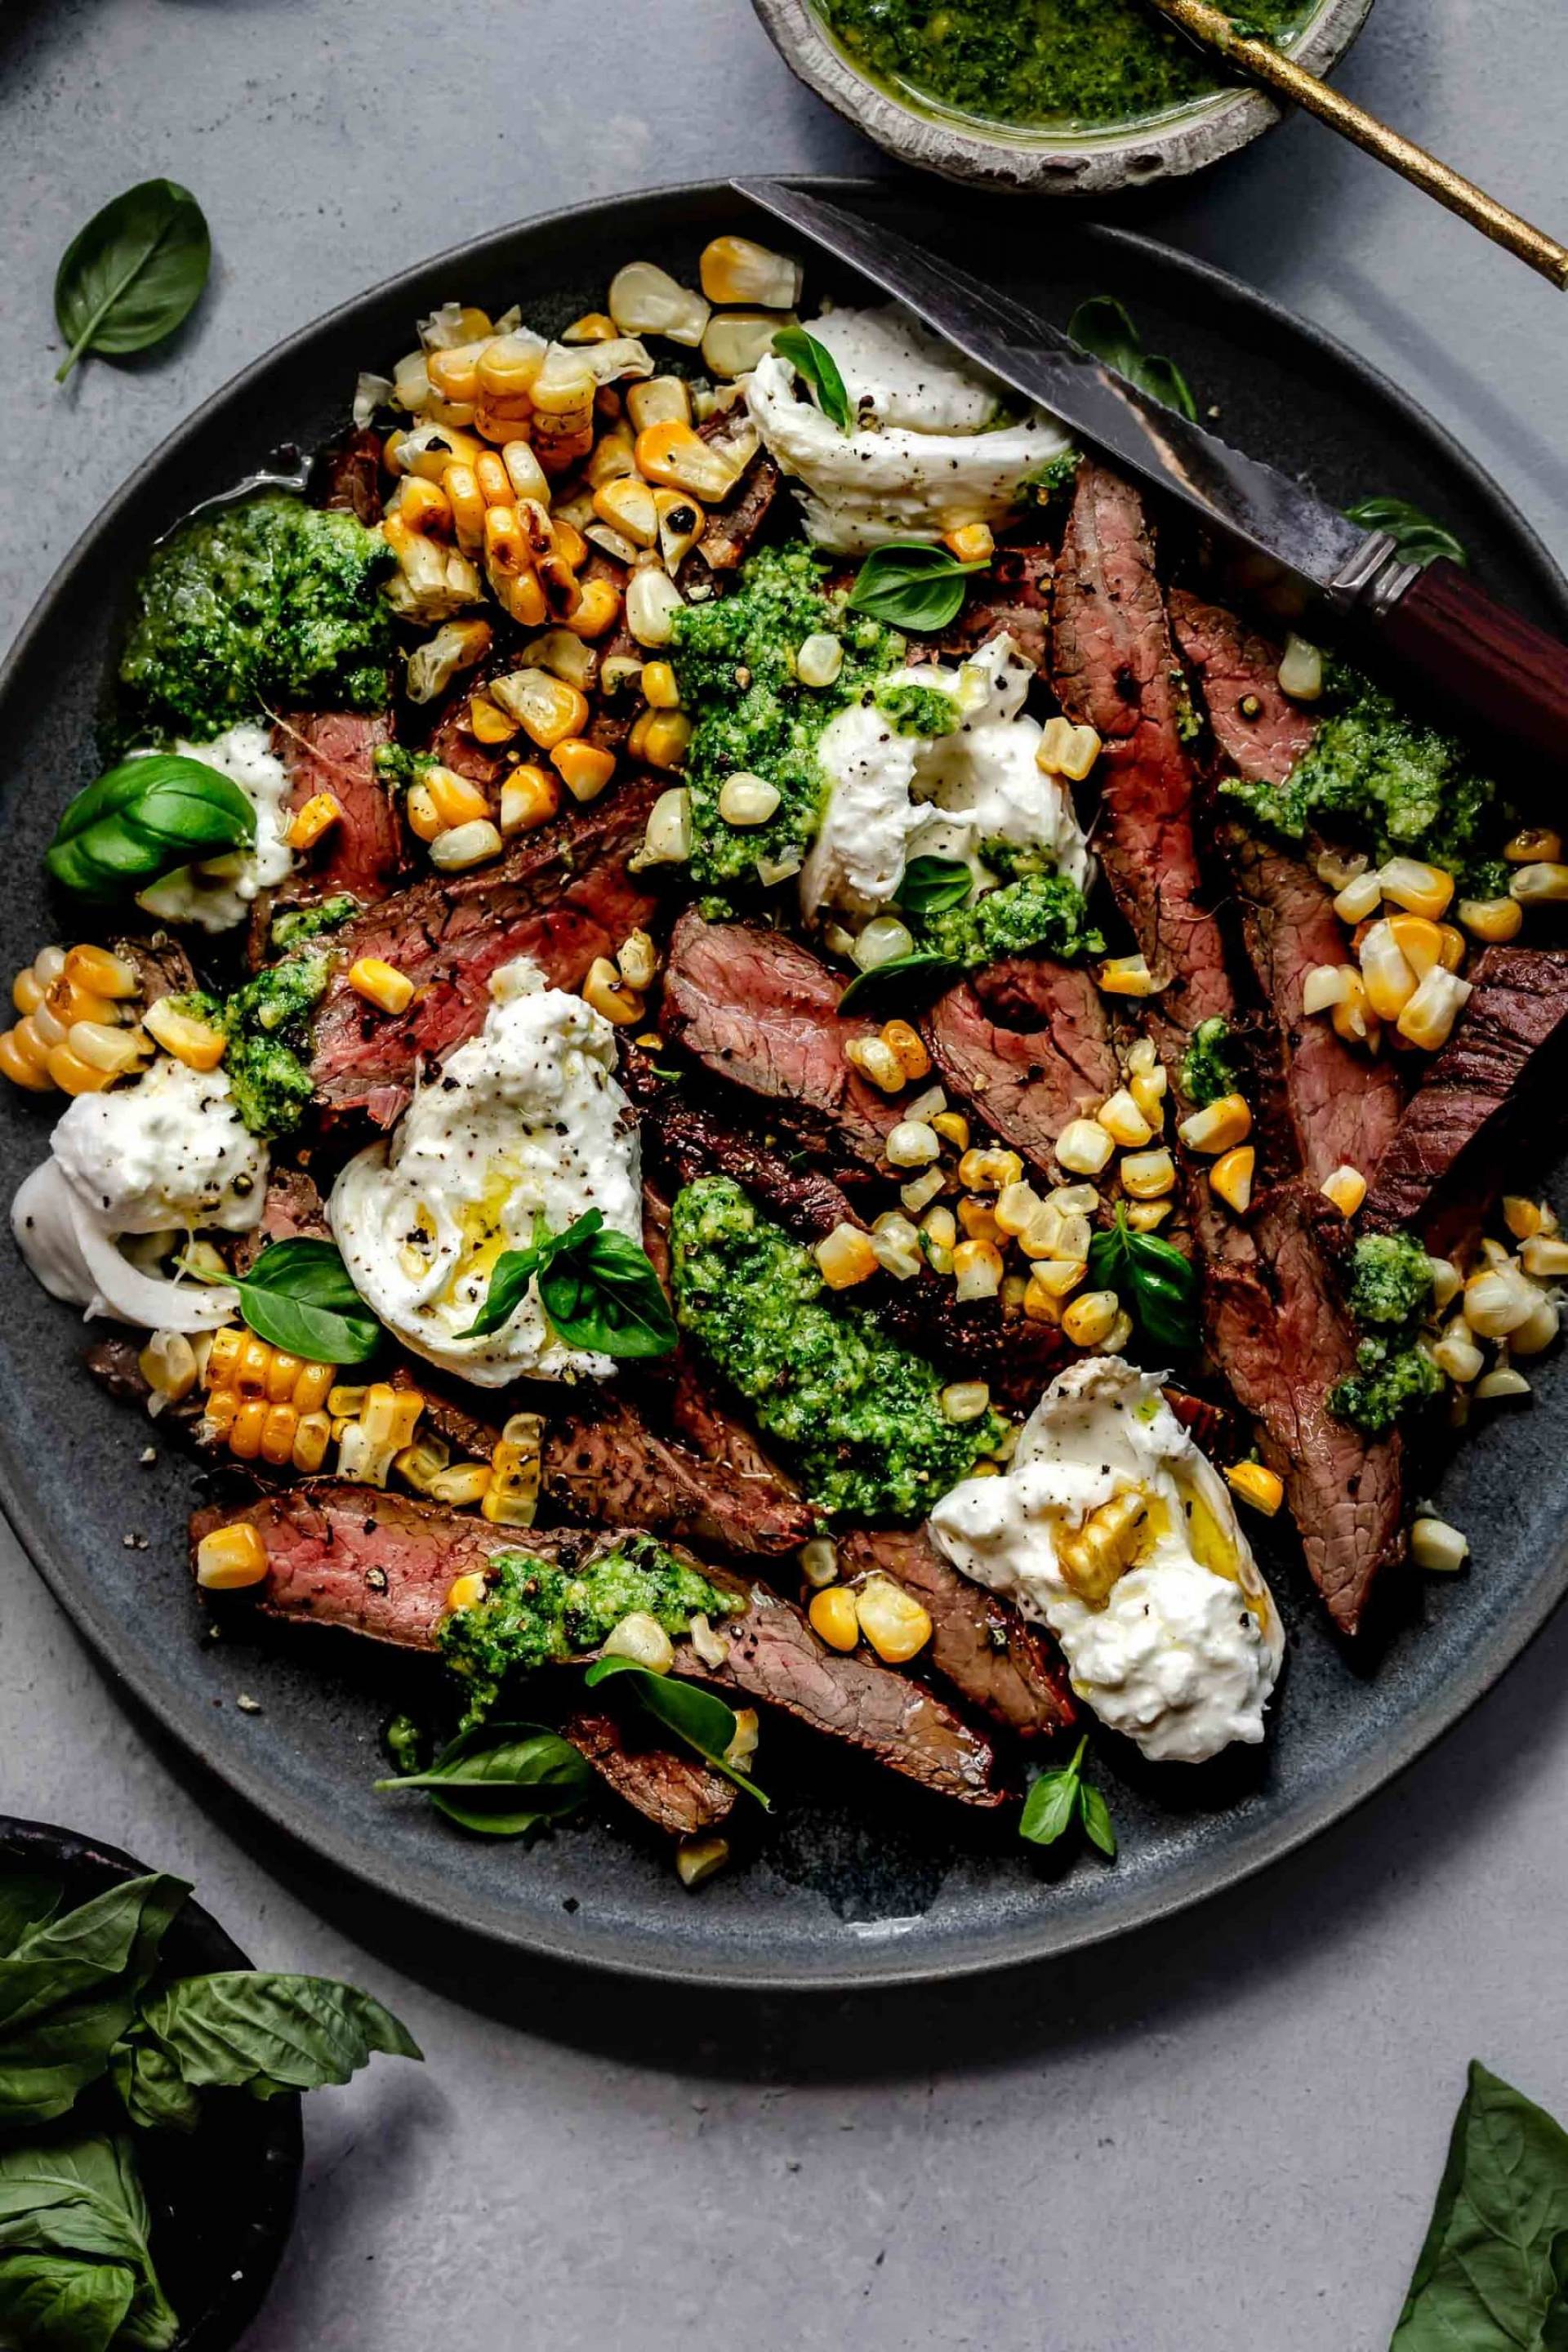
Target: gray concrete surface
x=1224, y=2136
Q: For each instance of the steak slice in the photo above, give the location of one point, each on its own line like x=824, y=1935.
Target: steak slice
x=374, y=1563
x=1027, y=1080
x=348, y=475
x=294, y=1211
x=364, y=853
x=1343, y=1105
x=734, y=530
x=563, y=896
x=757, y=1008
x=679, y=1794
x=1014, y=601
x=689, y=1141
x=607, y=1466
x=1009, y=1669
x=1453, y=1146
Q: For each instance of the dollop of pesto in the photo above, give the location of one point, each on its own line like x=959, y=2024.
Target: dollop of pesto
x=1037, y=911
x=536, y=1614
x=1390, y=1289
x=1209, y=1065
x=295, y=925
x=860, y=1416
x=734, y=658
x=916, y=710
x=1407, y=789
x=266, y=1023
x=269, y=603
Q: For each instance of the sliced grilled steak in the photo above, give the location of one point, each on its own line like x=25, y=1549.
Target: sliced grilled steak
x=364, y=852
x=374, y=1563
x=1452, y=1147
x=1343, y=1105
x=759, y=1009
x=1026, y=1081
x=349, y=476
x=161, y=965
x=563, y=896
x=1015, y=600
x=689, y=1141
x=679, y=1794
x=295, y=1211
x=980, y=1645
x=734, y=530
x=605, y=1466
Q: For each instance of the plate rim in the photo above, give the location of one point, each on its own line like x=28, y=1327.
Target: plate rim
x=865, y=1965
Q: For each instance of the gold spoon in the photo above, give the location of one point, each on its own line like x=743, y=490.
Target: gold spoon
x=1217, y=30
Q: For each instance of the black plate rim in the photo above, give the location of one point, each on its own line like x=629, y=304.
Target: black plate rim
x=1053, y=1933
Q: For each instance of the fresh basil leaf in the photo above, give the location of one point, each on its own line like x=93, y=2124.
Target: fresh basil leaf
x=698, y=1716
x=68, y=1991
x=1554, y=2327
x=911, y=584
x=598, y=1288
x=1095, y=1815
x=84, y=2196
x=246, y=2030
x=299, y=1296
x=134, y=273
x=1052, y=1806
x=1153, y=1281
x=1417, y=537
x=924, y=973
x=1490, y=2271
x=1103, y=326
x=58, y=2303
x=153, y=813
x=932, y=886
x=27, y=1901
x=476, y=1781
x=150, y=2087
x=816, y=363
x=515, y=1269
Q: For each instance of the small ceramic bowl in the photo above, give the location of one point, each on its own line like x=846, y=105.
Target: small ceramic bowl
x=1048, y=163
x=222, y=2196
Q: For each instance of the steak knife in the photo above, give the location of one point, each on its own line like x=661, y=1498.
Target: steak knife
x=1472, y=650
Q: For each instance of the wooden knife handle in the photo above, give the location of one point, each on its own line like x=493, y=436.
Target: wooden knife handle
x=1494, y=664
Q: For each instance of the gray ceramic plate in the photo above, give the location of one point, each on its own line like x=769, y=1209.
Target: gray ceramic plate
x=855, y=1880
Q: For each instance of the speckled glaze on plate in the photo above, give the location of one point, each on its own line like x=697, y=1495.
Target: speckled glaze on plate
x=857, y=1879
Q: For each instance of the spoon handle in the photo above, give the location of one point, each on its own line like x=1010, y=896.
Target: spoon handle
x=1217, y=30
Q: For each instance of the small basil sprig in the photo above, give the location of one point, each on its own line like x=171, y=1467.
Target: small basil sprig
x=924, y=971
x=67, y=2205
x=598, y=1288
x=1058, y=1799
x=932, y=886
x=134, y=273
x=143, y=819
x=299, y=1296
x=911, y=584
x=816, y=363
x=247, y=2029
x=1493, y=2270
x=1101, y=326
x=504, y=1780
x=1154, y=1282
x=1416, y=535
x=695, y=1715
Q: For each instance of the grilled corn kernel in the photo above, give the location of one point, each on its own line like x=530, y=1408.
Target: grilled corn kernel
x=964, y=1401
x=875, y=1060
x=913, y=1143
x=952, y=1127
x=1346, y=1188
x=1527, y=848
x=1428, y=1018
x=487, y=723
x=990, y=1171
x=1148, y=1175
x=682, y=523
x=98, y=972
x=112, y=1050
x=547, y=709
x=1361, y=897
x=652, y=602
x=1545, y=1256
x=1041, y=1305
x=1123, y=1121
x=608, y=994
x=1437, y=1548
x=844, y=1257
x=1018, y=1206
x=72, y=1075
x=28, y=1054
x=223, y=1356
x=253, y=1363
x=971, y=542
x=1147, y=1216
x=978, y=1269
x=461, y=847
x=458, y=801
x=278, y=1435
x=680, y=459
x=1352, y=1016
x=626, y=504
x=643, y=299
x=667, y=839
x=1125, y=976
x=658, y=400
x=511, y=1498
x=697, y=1859
x=909, y=1047
x=1421, y=890
x=819, y=658
x=424, y=816
x=1260, y=1487
x=1420, y=942
x=1218, y=1126
x=736, y=269
x=747, y=800
x=583, y=767
x=893, y=1622
x=1521, y=1216
x=389, y=1416
x=168, y=1365
x=1068, y=751
x=598, y=608
x=465, y=1484
x=309, y=822
x=832, y=1618
x=246, y=1432
x=660, y=689
x=1088, y=1322
x=1094, y=1558
x=195, y=1043
x=1541, y=885
x=1083, y=1148
x=1231, y=1178
x=978, y=1219
x=1300, y=671
x=312, y=1435
x=1504, y=1382
x=531, y=796
x=1326, y=985
x=1385, y=971
x=661, y=738
x=920, y=1190
x=230, y=1558
x=466, y=1591
x=380, y=983
x=636, y=960
x=593, y=326
x=1492, y=920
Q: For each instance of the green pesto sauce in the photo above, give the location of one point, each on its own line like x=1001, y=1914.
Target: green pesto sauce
x=916, y=710
x=296, y=924
x=1407, y=789
x=534, y=1614
x=266, y=1023
x=1038, y=63
x=1390, y=1288
x=397, y=765
x=859, y=1415
x=268, y=602
x=1208, y=1067
x=734, y=658
x=1038, y=910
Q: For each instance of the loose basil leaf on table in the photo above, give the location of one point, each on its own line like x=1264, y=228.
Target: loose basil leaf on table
x=151, y=814
x=1416, y=536
x=134, y=273
x=597, y=1287
x=924, y=971
x=70, y=1991
x=504, y=1779
x=1103, y=327
x=82, y=2196
x=816, y=363
x=932, y=886
x=243, y=2028
x=298, y=1295
x=911, y=584
x=696, y=1716
x=1057, y=1799
x=1154, y=1282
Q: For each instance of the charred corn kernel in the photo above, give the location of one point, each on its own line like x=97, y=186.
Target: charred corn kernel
x=912, y=1144
x=920, y=1190
x=1421, y=890
x=230, y=1558
x=512, y=1496
x=680, y=459
x=607, y=993
x=1087, y=1321
x=1504, y=1382
x=217, y=1415
x=593, y=326
x=195, y=1043
x=72, y=1075
x=380, y=983
x=1259, y=1486
x=598, y=608
x=988, y=1171
x=963, y=1400
x=312, y=819
x=1361, y=897
x=898, y=1246
x=1102, y=1550
x=487, y=723
x=465, y=1484
x=1018, y=1206
x=627, y=505
x=698, y=1859
x=652, y=602
x=893, y=1620
x=428, y=450
x=1346, y=1188
x=278, y=1431
x=1533, y=845
x=971, y=542
x=389, y=1416
x=658, y=400
x=468, y=502
x=223, y=1356
x=168, y=1365
x=313, y=1386
x=97, y=972
x=844, y=1257
x=1428, y=1018
x=1218, y=1126
x=1541, y=885
x=1521, y=1216
x=1544, y=1257
x=1146, y=1216
x=1125, y=976
x=1437, y=1548
x=582, y=767
x=20, y=1068
x=458, y=801
x=531, y=796
x=875, y=1060
x=1148, y=1090
x=1420, y=942
x=612, y=460
x=1148, y=1175
x=978, y=1219
x=645, y=300
x=26, y=991
x=526, y=475
x=546, y=708
x=1068, y=751
x=114, y=1051
x=251, y=1364
x=461, y=847
x=1231, y=1178
x=1083, y=1147
x=245, y=1431
x=1352, y=1017
x=1326, y=985
x=312, y=1435
x=424, y=507
x=661, y=738
x=978, y=1269
x=466, y=1592
x=659, y=686
x=952, y=1127
x=833, y=1619
x=736, y=269
x=1123, y=1121
x=1041, y=1305
x=1385, y=971
x=1301, y=670
x=424, y=816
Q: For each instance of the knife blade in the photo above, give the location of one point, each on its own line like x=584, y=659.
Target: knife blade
x=1472, y=650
